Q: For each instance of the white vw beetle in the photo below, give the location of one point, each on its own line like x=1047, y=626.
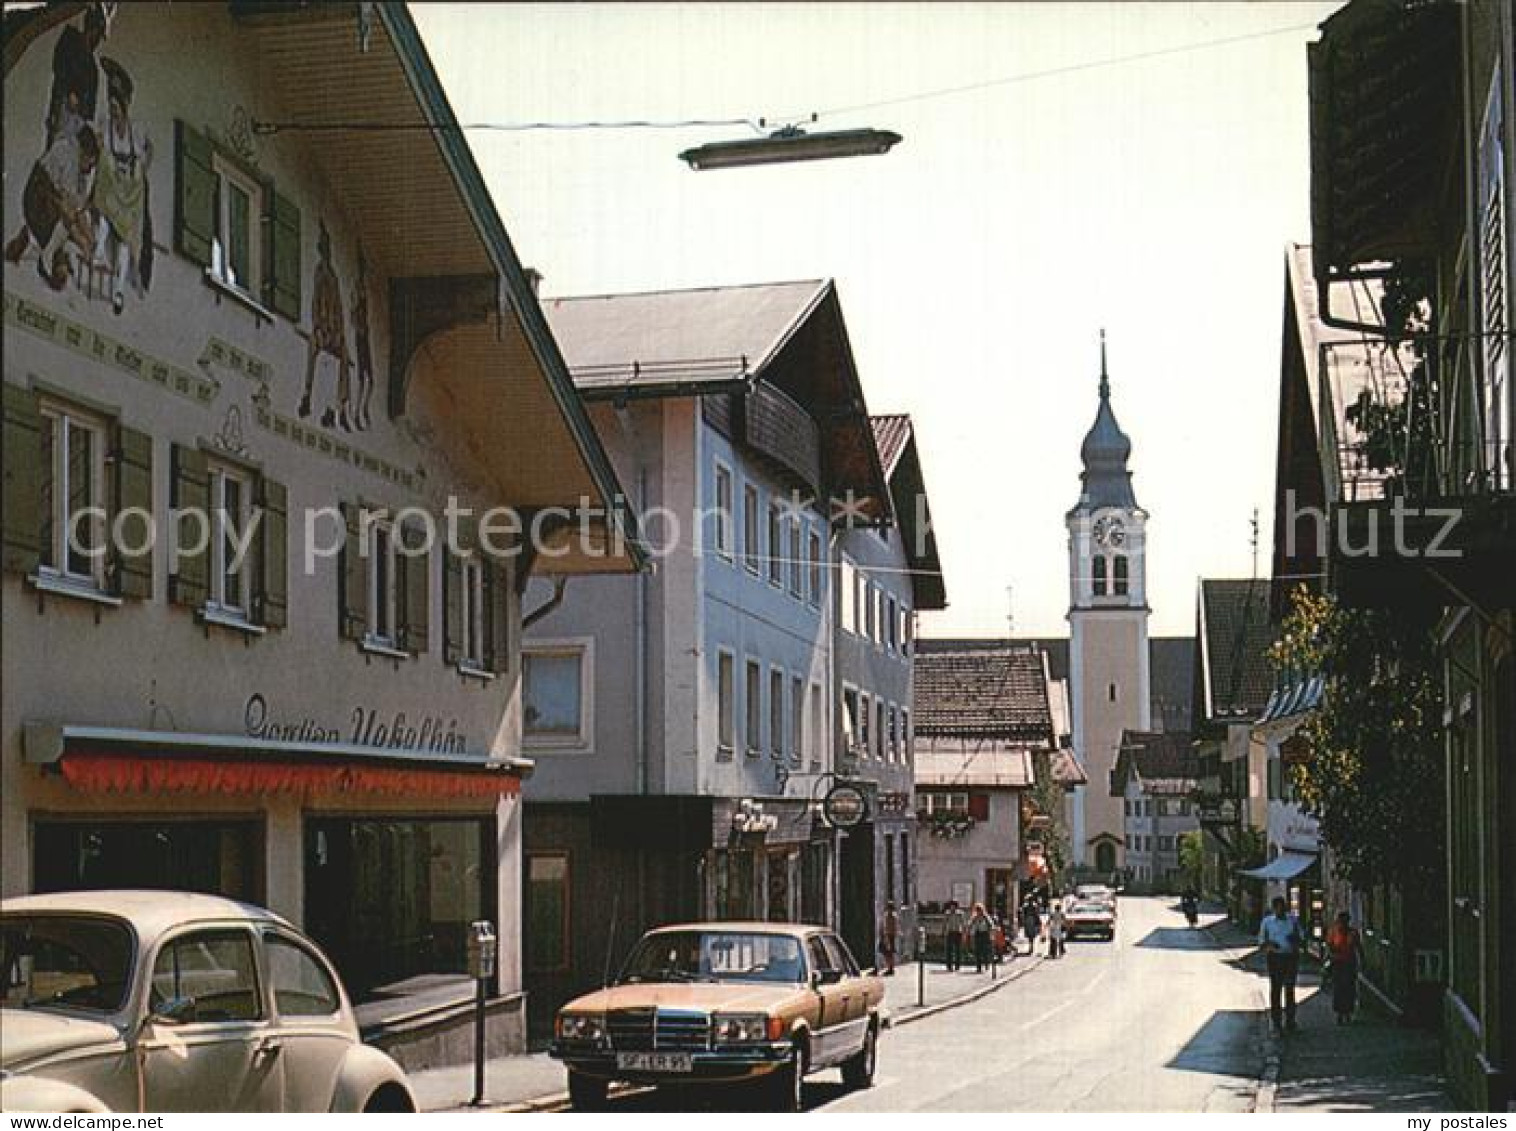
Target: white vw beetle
x=165, y=1001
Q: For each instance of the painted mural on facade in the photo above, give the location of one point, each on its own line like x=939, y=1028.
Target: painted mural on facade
x=86, y=208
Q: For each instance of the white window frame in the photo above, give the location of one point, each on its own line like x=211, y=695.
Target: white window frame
x=818, y=726
x=62, y=420
x=866, y=723
x=472, y=613
x=752, y=707
x=797, y=719
x=797, y=558
x=778, y=732
x=218, y=602
x=724, y=487
x=582, y=648
x=849, y=595
x=752, y=528
x=945, y=801
x=726, y=701
x=776, y=526
x=228, y=173
x=381, y=547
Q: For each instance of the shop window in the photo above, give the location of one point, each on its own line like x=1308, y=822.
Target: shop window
x=555, y=694
x=751, y=548
x=213, y=857
x=723, y=517
x=732, y=885
x=390, y=899
x=216, y=969
x=301, y=985
x=546, y=915
x=726, y=709
x=753, y=707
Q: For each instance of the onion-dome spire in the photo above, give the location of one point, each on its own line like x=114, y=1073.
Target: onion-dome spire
x=1105, y=451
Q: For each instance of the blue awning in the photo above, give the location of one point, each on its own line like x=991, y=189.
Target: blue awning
x=1285, y=866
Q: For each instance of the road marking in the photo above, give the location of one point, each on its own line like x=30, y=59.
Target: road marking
x=1057, y=1009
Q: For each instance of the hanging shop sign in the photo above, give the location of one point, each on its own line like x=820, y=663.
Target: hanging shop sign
x=844, y=806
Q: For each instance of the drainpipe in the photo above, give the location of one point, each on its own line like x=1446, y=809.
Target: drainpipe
x=560, y=584
x=640, y=635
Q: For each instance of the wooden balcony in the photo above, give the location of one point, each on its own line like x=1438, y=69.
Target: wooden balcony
x=776, y=428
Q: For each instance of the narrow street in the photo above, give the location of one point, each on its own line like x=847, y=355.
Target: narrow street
x=1159, y=1020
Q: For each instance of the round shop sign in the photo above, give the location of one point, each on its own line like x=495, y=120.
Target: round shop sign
x=844, y=806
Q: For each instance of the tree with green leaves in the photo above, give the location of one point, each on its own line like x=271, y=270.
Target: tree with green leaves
x=1374, y=778
x=1048, y=801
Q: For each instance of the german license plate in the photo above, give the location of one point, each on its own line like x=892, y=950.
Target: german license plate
x=654, y=1062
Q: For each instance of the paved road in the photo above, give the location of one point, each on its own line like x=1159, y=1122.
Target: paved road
x=1160, y=1020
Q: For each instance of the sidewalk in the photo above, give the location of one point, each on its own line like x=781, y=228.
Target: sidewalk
x=535, y=1082
x=1375, y=1064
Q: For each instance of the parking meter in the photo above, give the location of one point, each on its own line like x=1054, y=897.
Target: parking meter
x=483, y=949
x=483, y=956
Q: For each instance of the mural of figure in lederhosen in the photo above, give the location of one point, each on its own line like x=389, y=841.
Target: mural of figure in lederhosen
x=124, y=234
x=363, y=353
x=328, y=335
x=55, y=204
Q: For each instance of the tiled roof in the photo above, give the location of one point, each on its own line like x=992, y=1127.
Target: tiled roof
x=892, y=434
x=1235, y=640
x=982, y=688
x=697, y=336
x=946, y=761
x=1164, y=761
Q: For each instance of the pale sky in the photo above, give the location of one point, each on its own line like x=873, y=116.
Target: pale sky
x=977, y=262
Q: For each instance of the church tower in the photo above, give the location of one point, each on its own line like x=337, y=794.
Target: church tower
x=1108, y=630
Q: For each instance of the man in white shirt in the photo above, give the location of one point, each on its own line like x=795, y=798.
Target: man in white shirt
x=1280, y=937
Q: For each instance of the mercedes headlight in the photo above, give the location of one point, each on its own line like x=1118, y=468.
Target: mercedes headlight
x=581, y=1027
x=745, y=1028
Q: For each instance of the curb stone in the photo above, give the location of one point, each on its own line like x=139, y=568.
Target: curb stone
x=1268, y=1073
x=894, y=1021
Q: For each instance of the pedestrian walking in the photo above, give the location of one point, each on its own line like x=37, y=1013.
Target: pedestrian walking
x=889, y=937
x=1057, y=925
x=1031, y=924
x=1280, y=937
x=953, y=924
x=979, y=930
x=1345, y=949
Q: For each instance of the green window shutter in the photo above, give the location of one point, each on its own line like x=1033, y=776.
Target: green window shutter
x=273, y=581
x=132, y=490
x=415, y=590
x=189, y=578
x=194, y=194
x=281, y=285
x=352, y=588
x=26, y=481
x=452, y=606
x=497, y=613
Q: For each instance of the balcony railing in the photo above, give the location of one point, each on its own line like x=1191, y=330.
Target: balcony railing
x=777, y=428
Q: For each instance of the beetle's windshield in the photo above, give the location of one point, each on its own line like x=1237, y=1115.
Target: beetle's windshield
x=715, y=956
x=64, y=962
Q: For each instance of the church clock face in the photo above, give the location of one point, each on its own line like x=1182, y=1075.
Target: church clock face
x=1109, y=531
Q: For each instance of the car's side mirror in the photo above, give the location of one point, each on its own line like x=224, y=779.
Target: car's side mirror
x=174, y=1011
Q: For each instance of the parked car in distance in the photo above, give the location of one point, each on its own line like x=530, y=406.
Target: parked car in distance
x=725, y=1002
x=167, y=1001
x=1096, y=893
x=1090, y=919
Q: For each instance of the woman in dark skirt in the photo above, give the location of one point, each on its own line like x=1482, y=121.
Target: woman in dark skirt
x=1346, y=951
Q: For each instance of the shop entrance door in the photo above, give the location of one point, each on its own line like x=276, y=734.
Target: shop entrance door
x=857, y=884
